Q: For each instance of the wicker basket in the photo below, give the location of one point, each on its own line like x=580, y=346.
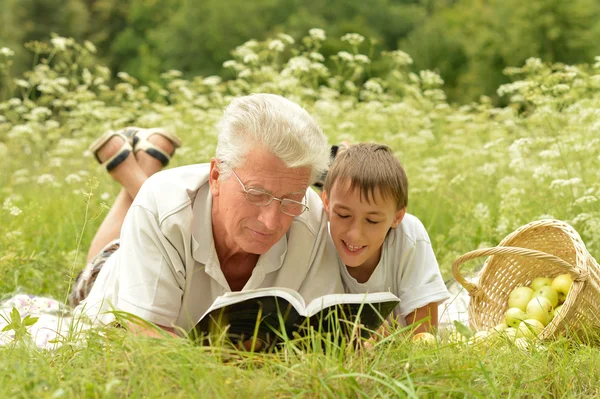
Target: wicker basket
x=544, y=248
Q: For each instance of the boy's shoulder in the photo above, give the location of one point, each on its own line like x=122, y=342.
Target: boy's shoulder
x=410, y=230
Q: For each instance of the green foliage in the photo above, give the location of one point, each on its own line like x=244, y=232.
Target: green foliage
x=18, y=325
x=468, y=42
x=471, y=41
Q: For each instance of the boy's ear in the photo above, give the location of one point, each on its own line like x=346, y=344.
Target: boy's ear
x=398, y=217
x=325, y=200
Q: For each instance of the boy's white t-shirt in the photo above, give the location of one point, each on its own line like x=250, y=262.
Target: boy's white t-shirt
x=407, y=268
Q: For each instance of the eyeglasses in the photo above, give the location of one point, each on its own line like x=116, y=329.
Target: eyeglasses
x=261, y=198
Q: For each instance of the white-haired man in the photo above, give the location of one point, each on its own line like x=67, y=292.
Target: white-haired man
x=247, y=220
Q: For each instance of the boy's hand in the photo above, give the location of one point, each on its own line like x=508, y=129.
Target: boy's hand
x=429, y=315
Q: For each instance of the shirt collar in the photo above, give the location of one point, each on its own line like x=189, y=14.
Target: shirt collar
x=202, y=237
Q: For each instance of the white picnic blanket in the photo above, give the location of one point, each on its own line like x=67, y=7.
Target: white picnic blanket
x=54, y=322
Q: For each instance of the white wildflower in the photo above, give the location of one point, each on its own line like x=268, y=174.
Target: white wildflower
x=105, y=196
x=345, y=56
x=296, y=64
x=361, y=58
x=534, y=64
x=586, y=199
x=317, y=34
x=22, y=83
x=558, y=183
x=353, y=38
x=482, y=213
x=211, y=80
x=346, y=125
x=73, y=178
x=5, y=51
x=373, y=86
x=276, y=45
x=46, y=179
x=430, y=78
x=286, y=38
x=14, y=211
x=59, y=42
x=400, y=58
x=488, y=168
x=316, y=56
x=550, y=154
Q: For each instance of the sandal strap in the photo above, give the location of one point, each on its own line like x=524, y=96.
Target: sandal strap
x=119, y=156
x=141, y=143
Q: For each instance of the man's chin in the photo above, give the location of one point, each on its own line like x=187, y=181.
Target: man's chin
x=257, y=248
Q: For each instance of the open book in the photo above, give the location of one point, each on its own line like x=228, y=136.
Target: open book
x=273, y=313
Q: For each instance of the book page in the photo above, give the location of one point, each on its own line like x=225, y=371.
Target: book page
x=230, y=298
x=326, y=301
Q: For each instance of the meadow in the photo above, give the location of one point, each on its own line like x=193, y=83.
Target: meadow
x=476, y=173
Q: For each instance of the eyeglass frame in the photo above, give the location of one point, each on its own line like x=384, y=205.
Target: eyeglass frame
x=306, y=208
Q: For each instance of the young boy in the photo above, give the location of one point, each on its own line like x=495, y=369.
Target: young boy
x=380, y=246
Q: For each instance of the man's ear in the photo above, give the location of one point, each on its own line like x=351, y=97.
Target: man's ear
x=325, y=199
x=213, y=177
x=398, y=217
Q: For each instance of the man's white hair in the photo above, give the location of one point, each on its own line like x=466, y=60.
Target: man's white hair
x=276, y=124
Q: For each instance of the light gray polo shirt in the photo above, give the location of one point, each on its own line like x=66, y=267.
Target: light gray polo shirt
x=167, y=271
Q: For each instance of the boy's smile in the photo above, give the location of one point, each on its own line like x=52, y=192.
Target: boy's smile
x=359, y=225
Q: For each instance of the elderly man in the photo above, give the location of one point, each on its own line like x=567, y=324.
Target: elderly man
x=247, y=220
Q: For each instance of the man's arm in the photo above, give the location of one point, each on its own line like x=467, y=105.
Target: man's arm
x=148, y=331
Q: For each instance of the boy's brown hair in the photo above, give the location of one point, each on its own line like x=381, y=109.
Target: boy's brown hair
x=370, y=166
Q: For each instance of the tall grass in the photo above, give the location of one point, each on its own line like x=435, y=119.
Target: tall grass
x=476, y=173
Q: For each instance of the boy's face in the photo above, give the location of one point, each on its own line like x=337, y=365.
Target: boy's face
x=357, y=227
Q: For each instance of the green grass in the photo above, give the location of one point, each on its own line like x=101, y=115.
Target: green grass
x=476, y=173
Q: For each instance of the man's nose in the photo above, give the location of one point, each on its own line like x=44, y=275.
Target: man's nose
x=270, y=215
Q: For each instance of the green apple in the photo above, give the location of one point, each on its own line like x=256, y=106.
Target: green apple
x=540, y=282
x=530, y=328
x=511, y=333
x=548, y=293
x=539, y=308
x=424, y=338
x=520, y=297
x=514, y=316
x=522, y=344
x=562, y=284
x=499, y=328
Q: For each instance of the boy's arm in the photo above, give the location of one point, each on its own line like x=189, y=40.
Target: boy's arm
x=428, y=313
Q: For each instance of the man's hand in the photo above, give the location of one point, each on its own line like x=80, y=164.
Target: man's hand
x=147, y=330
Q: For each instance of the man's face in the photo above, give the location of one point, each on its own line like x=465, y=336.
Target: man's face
x=357, y=227
x=251, y=228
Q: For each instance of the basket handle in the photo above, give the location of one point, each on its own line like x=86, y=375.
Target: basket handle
x=475, y=290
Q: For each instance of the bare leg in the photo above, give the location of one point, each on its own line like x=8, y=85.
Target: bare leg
x=131, y=174
x=110, y=228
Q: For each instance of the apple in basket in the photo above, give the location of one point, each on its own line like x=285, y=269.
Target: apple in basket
x=548, y=293
x=562, y=284
x=540, y=282
x=539, y=308
x=514, y=316
x=530, y=328
x=520, y=297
